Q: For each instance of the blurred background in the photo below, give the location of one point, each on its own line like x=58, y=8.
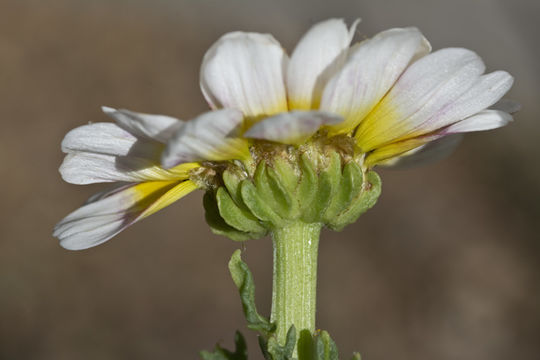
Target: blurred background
x=446, y=266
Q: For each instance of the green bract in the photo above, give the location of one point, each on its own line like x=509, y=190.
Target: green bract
x=310, y=184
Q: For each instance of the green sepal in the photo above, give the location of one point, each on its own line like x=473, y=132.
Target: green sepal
x=232, y=179
x=220, y=353
x=356, y=356
x=244, y=282
x=272, y=190
x=258, y=205
x=329, y=180
x=307, y=189
x=216, y=222
x=272, y=350
x=237, y=217
x=284, y=193
x=285, y=173
x=348, y=189
x=364, y=201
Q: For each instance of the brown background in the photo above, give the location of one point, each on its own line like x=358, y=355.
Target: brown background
x=446, y=266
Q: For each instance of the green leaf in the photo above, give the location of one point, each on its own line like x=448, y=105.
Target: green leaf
x=238, y=218
x=306, y=346
x=244, y=282
x=273, y=351
x=356, y=356
x=326, y=347
x=216, y=222
x=220, y=353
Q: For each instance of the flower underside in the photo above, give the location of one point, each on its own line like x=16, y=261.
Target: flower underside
x=320, y=181
x=288, y=138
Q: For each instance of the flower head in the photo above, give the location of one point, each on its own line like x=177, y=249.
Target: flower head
x=329, y=108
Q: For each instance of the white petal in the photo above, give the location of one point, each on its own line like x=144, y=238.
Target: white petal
x=431, y=152
x=506, y=105
x=292, y=127
x=427, y=88
x=484, y=120
x=245, y=71
x=372, y=67
x=88, y=168
x=434, y=143
x=210, y=136
x=98, y=221
x=317, y=56
x=100, y=138
x=487, y=90
x=156, y=127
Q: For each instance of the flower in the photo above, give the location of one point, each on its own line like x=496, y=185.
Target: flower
x=384, y=100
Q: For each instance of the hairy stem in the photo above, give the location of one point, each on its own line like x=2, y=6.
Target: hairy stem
x=295, y=278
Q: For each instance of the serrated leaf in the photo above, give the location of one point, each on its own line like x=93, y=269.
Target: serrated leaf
x=263, y=344
x=220, y=353
x=244, y=282
x=236, y=217
x=272, y=350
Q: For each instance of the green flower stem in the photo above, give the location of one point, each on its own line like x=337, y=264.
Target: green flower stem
x=295, y=278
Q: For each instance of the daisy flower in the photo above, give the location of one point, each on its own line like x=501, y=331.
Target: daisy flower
x=329, y=105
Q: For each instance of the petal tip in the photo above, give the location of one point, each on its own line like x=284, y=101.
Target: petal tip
x=108, y=110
